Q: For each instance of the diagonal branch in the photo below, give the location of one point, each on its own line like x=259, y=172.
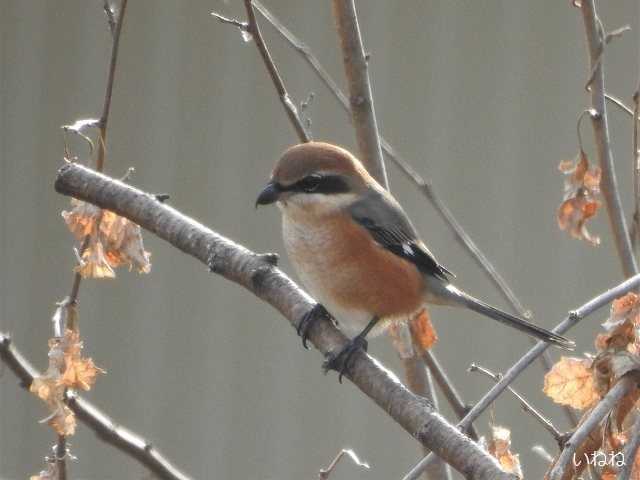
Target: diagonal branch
x=609, y=184
x=570, y=321
x=285, y=99
x=267, y=282
x=360, y=95
x=103, y=426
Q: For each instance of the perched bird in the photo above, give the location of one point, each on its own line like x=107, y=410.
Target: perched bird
x=356, y=251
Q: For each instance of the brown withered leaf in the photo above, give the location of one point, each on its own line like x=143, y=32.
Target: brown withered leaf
x=424, y=335
x=67, y=369
x=580, y=201
x=63, y=421
x=621, y=326
x=500, y=447
x=114, y=241
x=123, y=243
x=81, y=220
x=570, y=382
x=79, y=372
x=94, y=263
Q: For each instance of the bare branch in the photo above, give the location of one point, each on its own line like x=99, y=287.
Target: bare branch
x=630, y=450
x=324, y=473
x=285, y=99
x=61, y=457
x=571, y=320
x=636, y=168
x=116, y=30
x=361, y=98
x=103, y=426
x=524, y=403
x=451, y=394
x=609, y=184
x=247, y=269
x=564, y=468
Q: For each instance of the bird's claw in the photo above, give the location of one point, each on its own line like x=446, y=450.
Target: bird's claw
x=310, y=318
x=340, y=361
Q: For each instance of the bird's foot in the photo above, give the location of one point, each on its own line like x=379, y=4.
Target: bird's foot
x=318, y=312
x=340, y=361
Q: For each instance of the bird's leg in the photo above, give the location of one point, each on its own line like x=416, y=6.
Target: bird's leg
x=340, y=361
x=310, y=318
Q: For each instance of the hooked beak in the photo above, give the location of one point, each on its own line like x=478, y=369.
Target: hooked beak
x=269, y=194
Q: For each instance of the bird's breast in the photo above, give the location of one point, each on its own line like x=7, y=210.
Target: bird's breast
x=351, y=275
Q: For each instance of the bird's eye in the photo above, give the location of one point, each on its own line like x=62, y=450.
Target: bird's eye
x=311, y=183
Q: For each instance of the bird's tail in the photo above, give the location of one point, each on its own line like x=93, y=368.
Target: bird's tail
x=466, y=300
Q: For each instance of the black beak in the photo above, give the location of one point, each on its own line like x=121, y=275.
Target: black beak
x=269, y=194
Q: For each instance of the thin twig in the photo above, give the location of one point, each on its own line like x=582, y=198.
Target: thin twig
x=636, y=169
x=630, y=450
x=266, y=281
x=103, y=426
x=425, y=186
x=563, y=468
x=61, y=457
x=324, y=473
x=116, y=30
x=516, y=369
x=524, y=403
x=609, y=185
x=289, y=106
x=618, y=103
x=243, y=26
x=459, y=407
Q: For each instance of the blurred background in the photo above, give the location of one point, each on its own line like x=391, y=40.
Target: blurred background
x=481, y=97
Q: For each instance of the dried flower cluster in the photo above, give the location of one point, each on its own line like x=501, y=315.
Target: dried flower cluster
x=113, y=241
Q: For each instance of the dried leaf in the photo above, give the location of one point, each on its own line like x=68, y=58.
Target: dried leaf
x=424, y=334
x=123, y=243
x=94, y=263
x=80, y=373
x=63, y=421
x=114, y=241
x=570, y=382
x=67, y=369
x=500, y=447
x=621, y=326
x=580, y=202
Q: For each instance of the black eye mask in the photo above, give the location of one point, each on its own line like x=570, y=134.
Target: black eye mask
x=326, y=184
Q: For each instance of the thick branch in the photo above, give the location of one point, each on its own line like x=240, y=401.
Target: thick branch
x=362, y=109
x=572, y=319
x=609, y=184
x=564, y=468
x=263, y=279
x=105, y=428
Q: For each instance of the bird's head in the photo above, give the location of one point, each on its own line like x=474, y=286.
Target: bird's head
x=315, y=177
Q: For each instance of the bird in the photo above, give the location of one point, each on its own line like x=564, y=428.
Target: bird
x=358, y=253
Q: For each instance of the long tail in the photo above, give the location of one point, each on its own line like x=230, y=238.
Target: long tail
x=466, y=300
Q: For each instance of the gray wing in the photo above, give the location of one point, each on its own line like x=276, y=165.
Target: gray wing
x=390, y=227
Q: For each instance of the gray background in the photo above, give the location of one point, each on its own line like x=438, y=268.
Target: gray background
x=480, y=96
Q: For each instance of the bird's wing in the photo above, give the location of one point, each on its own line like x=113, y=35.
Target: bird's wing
x=382, y=216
